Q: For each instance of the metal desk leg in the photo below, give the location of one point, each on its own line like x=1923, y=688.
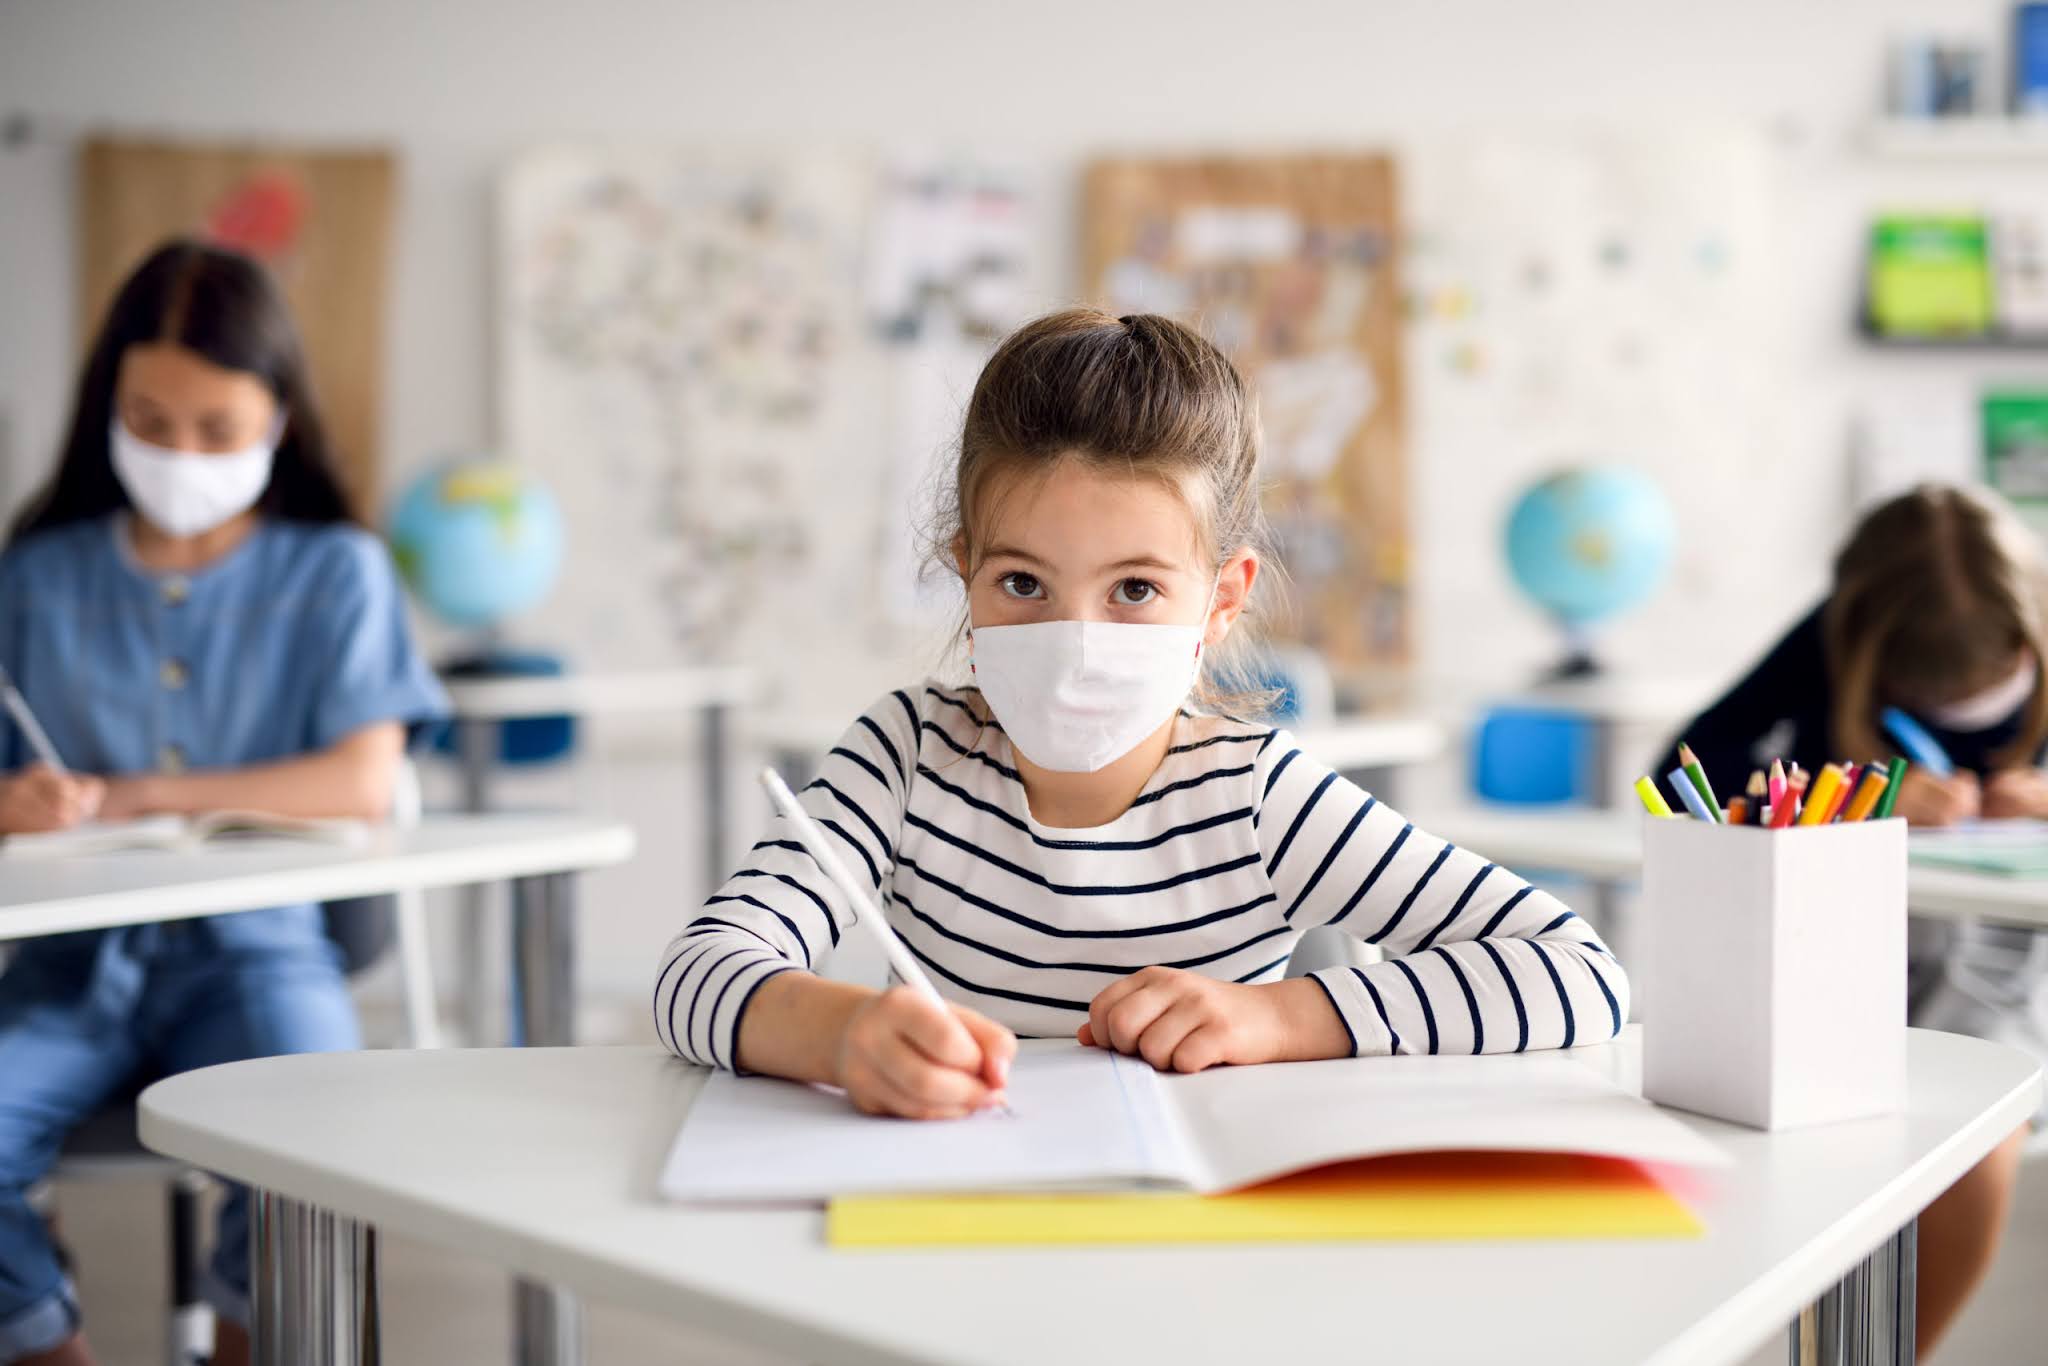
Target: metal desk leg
x=313, y=1286
x=479, y=1005
x=1868, y=1319
x=717, y=742
x=547, y=1322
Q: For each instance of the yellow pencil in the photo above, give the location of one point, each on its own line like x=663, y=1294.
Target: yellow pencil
x=1822, y=797
x=1653, y=800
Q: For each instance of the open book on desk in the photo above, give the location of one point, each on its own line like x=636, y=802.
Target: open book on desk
x=181, y=833
x=1084, y=1119
x=2014, y=848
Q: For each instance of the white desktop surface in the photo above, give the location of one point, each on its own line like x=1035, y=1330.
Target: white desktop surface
x=545, y=1160
x=41, y=896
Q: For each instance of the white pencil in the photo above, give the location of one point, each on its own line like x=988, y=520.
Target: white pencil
x=864, y=909
x=17, y=707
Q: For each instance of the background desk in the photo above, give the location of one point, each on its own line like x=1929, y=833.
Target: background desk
x=546, y=1160
x=537, y=855
x=479, y=705
x=1371, y=743
x=1608, y=847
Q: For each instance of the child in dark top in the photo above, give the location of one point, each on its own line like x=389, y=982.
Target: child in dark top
x=1936, y=608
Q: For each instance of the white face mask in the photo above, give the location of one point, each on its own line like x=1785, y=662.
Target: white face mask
x=186, y=494
x=1986, y=709
x=1073, y=696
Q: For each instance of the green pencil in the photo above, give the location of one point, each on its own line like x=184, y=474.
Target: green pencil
x=1690, y=762
x=1895, y=773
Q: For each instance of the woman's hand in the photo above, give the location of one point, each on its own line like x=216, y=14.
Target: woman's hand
x=40, y=798
x=1925, y=799
x=1181, y=1021
x=128, y=798
x=2016, y=792
x=904, y=1054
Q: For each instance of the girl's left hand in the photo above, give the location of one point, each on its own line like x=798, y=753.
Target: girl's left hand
x=1181, y=1021
x=2016, y=792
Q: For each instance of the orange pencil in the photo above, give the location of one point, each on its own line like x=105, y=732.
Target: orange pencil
x=1738, y=811
x=1874, y=784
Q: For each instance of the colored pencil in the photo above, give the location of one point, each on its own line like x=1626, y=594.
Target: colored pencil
x=1689, y=764
x=1758, y=794
x=1822, y=799
x=1653, y=800
x=1777, y=782
x=1897, y=775
x=1738, y=811
x=1867, y=795
x=1690, y=795
x=1851, y=775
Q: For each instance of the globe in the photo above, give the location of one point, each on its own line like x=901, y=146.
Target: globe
x=477, y=541
x=1588, y=543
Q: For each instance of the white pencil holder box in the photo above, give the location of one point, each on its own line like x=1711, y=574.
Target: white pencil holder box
x=1773, y=972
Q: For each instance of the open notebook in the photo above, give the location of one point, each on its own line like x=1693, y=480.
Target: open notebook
x=1084, y=1119
x=180, y=832
x=2015, y=848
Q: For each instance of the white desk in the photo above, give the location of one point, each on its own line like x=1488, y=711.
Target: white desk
x=1608, y=847
x=1349, y=744
x=41, y=896
x=546, y=1159
x=538, y=855
x=479, y=705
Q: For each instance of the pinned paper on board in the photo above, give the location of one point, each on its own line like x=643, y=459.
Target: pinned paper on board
x=679, y=354
x=739, y=369
x=1289, y=264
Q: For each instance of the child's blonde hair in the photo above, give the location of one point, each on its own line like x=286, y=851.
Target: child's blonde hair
x=1140, y=396
x=1935, y=593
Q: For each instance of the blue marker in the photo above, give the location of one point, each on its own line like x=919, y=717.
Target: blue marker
x=1920, y=747
x=1690, y=795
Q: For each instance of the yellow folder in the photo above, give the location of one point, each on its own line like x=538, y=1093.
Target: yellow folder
x=1409, y=1198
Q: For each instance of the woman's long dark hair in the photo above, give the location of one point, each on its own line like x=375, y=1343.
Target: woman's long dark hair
x=224, y=307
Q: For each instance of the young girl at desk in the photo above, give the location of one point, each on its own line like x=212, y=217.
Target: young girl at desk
x=196, y=623
x=1086, y=840
x=1937, y=608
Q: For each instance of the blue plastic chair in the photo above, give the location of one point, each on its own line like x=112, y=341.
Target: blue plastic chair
x=1527, y=756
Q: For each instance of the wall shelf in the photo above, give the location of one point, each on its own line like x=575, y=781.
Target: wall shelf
x=1989, y=341
x=1987, y=138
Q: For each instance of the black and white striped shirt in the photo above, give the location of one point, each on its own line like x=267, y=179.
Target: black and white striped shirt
x=1238, y=843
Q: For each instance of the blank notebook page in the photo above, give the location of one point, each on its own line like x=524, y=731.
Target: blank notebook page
x=1079, y=1118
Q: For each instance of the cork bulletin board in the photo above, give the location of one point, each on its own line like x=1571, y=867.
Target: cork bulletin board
x=1291, y=265
x=319, y=219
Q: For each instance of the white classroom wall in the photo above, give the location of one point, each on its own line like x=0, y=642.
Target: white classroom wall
x=458, y=87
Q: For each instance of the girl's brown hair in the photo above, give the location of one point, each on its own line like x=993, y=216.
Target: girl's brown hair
x=1140, y=396
x=1935, y=594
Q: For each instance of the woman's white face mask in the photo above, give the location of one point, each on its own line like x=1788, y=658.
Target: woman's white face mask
x=1983, y=710
x=183, y=493
x=1075, y=696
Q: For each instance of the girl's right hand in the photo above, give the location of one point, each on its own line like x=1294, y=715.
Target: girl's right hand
x=904, y=1054
x=39, y=798
x=1925, y=799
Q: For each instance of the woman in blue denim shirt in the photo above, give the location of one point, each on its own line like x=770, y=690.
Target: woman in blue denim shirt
x=197, y=621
